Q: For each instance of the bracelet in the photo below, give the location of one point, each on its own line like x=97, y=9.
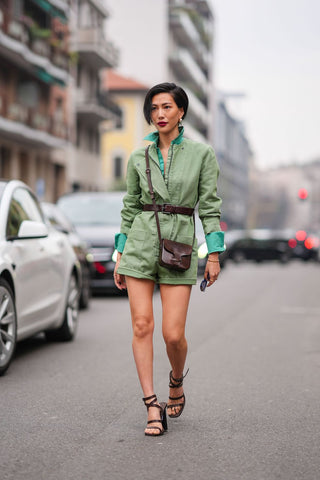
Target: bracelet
x=213, y=261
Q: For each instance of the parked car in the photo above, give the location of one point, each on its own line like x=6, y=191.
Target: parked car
x=96, y=217
x=59, y=221
x=260, y=245
x=40, y=277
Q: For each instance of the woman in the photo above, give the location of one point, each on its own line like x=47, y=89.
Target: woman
x=183, y=173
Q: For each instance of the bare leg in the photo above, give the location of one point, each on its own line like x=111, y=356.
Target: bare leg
x=175, y=302
x=140, y=293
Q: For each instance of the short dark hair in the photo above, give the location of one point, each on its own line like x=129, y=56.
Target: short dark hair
x=178, y=94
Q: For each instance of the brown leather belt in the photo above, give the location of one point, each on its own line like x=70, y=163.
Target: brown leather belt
x=167, y=208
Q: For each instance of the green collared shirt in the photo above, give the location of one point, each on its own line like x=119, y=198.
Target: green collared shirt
x=154, y=137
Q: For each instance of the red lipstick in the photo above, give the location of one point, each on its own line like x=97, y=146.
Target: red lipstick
x=162, y=124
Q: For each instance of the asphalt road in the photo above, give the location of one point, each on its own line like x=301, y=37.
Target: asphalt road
x=74, y=411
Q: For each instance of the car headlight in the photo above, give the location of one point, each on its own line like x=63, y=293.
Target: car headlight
x=203, y=250
x=89, y=257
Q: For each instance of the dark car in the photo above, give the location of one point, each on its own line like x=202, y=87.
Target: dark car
x=59, y=221
x=261, y=245
x=96, y=217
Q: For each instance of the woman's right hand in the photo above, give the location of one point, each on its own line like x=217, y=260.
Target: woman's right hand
x=119, y=280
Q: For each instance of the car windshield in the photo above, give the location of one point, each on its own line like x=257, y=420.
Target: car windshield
x=92, y=209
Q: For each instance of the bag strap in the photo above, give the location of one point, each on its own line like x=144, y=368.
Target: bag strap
x=148, y=172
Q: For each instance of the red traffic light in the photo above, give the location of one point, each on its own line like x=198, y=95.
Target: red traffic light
x=303, y=193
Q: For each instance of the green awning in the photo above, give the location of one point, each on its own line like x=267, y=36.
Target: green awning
x=47, y=7
x=47, y=78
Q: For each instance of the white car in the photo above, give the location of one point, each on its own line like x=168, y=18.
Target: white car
x=40, y=277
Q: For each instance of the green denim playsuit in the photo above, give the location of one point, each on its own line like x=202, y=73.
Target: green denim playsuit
x=190, y=179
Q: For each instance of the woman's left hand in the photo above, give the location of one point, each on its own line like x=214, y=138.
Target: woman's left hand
x=212, y=269
x=119, y=280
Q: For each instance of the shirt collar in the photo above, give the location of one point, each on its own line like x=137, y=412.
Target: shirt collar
x=154, y=137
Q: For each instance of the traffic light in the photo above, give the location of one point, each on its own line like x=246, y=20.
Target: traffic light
x=303, y=193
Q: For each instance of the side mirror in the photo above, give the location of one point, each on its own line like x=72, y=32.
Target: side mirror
x=30, y=229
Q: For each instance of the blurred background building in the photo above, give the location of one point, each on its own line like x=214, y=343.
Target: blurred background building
x=93, y=51
x=127, y=134
x=287, y=197
x=170, y=40
x=34, y=109
x=51, y=104
x=234, y=155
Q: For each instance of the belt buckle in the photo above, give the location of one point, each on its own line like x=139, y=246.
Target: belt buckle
x=164, y=205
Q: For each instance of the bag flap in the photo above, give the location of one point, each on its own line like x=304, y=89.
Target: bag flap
x=177, y=249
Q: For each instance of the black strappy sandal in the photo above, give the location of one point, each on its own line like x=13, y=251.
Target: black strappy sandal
x=163, y=416
x=178, y=382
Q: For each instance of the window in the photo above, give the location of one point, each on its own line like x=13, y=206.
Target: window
x=23, y=206
x=5, y=156
x=118, y=167
x=119, y=124
x=79, y=74
x=17, y=8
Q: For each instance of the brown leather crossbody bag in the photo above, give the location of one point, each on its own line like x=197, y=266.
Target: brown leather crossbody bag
x=172, y=255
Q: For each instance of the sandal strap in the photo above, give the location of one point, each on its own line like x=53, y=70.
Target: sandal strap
x=154, y=397
x=174, y=405
x=153, y=403
x=178, y=381
x=154, y=421
x=154, y=428
x=177, y=398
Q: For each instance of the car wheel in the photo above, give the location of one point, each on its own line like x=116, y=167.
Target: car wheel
x=8, y=326
x=238, y=256
x=284, y=258
x=68, y=329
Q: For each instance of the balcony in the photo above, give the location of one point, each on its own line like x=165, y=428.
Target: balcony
x=40, y=48
x=186, y=34
x=188, y=71
x=20, y=123
x=94, y=49
x=197, y=111
x=95, y=108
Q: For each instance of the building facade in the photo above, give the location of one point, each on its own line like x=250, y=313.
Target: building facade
x=234, y=156
x=180, y=50
x=276, y=201
x=131, y=128
x=35, y=123
x=93, y=52
x=51, y=104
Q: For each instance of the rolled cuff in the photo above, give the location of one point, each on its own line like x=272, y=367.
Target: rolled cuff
x=215, y=242
x=120, y=241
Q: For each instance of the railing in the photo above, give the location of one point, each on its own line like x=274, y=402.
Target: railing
x=33, y=118
x=59, y=128
x=98, y=99
x=50, y=43
x=90, y=39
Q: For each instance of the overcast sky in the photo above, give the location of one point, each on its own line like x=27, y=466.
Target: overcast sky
x=270, y=50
